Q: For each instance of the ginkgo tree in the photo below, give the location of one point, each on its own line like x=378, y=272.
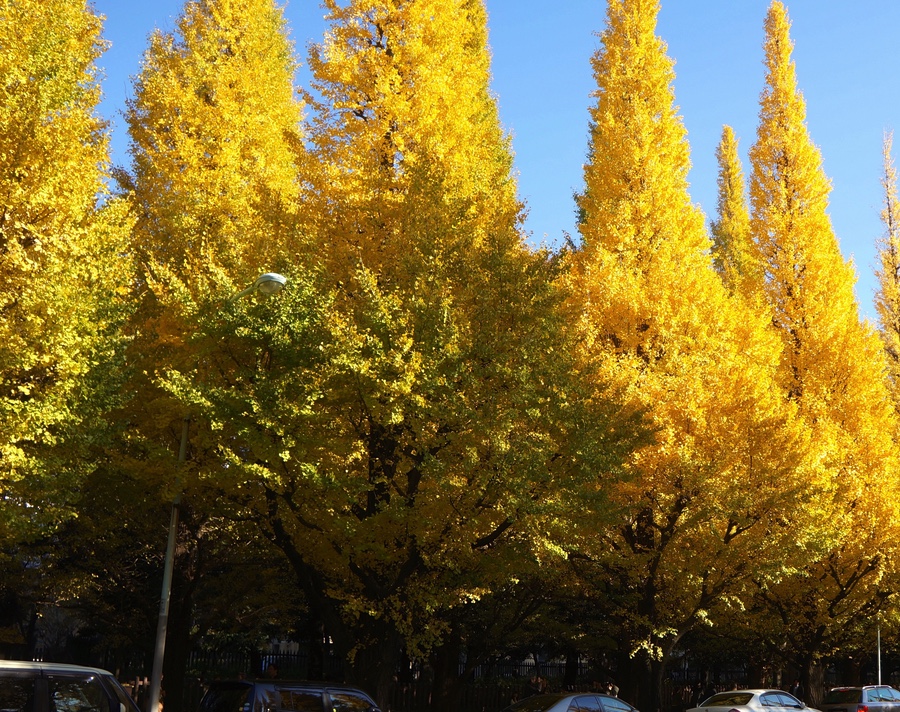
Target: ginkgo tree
x=657, y=322
x=832, y=367
x=62, y=264
x=732, y=251
x=403, y=420
x=216, y=148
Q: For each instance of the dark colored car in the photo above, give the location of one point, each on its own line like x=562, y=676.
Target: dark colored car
x=284, y=696
x=571, y=702
x=868, y=698
x=51, y=687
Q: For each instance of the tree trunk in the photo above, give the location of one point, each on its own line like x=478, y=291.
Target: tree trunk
x=375, y=663
x=446, y=688
x=570, y=677
x=637, y=682
x=316, y=647
x=813, y=680
x=178, y=641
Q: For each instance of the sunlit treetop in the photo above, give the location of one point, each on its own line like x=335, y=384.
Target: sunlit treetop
x=413, y=160
x=733, y=254
x=887, y=299
x=635, y=195
x=215, y=131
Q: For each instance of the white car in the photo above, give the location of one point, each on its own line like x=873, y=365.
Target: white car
x=38, y=687
x=571, y=702
x=752, y=701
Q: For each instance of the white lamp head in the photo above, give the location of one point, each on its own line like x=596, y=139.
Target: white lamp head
x=269, y=283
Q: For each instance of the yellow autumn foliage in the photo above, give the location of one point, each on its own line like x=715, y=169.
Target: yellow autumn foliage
x=61, y=264
x=215, y=131
x=832, y=367
x=412, y=165
x=732, y=252
x=726, y=478
x=887, y=299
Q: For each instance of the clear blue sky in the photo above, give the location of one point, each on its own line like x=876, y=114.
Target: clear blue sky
x=848, y=67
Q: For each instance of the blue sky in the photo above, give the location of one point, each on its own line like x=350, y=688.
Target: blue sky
x=847, y=65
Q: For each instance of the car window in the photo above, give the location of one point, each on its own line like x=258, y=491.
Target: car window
x=884, y=694
x=345, y=701
x=842, y=695
x=296, y=700
x=895, y=694
x=126, y=704
x=16, y=694
x=870, y=695
x=786, y=700
x=770, y=699
x=586, y=703
x=614, y=704
x=728, y=699
x=77, y=694
x=226, y=697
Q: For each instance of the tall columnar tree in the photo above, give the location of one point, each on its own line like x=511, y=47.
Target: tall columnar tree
x=215, y=129
x=60, y=261
x=887, y=299
x=732, y=252
x=832, y=367
x=658, y=322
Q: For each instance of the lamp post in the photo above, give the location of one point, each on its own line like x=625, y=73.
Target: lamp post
x=268, y=283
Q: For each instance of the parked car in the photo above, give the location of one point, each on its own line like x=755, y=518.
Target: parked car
x=868, y=698
x=752, y=701
x=571, y=702
x=283, y=696
x=40, y=687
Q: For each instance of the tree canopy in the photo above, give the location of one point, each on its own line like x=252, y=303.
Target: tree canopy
x=440, y=442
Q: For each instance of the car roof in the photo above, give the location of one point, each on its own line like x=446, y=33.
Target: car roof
x=743, y=690
x=315, y=684
x=28, y=665
x=754, y=690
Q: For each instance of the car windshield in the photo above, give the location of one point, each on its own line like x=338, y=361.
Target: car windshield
x=728, y=699
x=225, y=697
x=843, y=695
x=538, y=703
x=77, y=694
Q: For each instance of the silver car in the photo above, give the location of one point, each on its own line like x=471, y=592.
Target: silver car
x=38, y=687
x=752, y=701
x=571, y=702
x=868, y=698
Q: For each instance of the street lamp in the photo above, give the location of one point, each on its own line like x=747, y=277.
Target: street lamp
x=268, y=283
